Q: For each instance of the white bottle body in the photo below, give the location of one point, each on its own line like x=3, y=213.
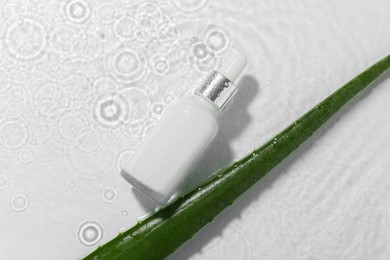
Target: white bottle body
x=172, y=148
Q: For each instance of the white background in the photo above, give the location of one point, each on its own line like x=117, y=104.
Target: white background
x=81, y=82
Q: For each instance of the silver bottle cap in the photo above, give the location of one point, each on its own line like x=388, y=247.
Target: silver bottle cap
x=216, y=88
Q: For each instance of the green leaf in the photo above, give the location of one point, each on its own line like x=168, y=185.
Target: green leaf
x=162, y=233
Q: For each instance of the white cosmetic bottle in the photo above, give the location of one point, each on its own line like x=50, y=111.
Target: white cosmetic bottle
x=183, y=133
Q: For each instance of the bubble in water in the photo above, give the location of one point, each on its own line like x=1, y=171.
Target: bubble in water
x=161, y=66
x=127, y=65
x=200, y=50
x=77, y=11
x=217, y=38
x=207, y=64
x=90, y=233
x=111, y=110
x=25, y=39
x=123, y=213
x=72, y=185
x=169, y=98
x=216, y=41
x=124, y=28
x=13, y=134
x=19, y=202
x=157, y=109
x=106, y=12
x=65, y=40
x=109, y=194
x=26, y=156
x=4, y=182
x=201, y=56
x=122, y=158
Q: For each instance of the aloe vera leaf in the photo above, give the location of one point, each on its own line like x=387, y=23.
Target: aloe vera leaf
x=163, y=232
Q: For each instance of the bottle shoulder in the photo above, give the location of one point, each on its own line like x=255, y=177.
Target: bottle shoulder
x=197, y=103
x=193, y=111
